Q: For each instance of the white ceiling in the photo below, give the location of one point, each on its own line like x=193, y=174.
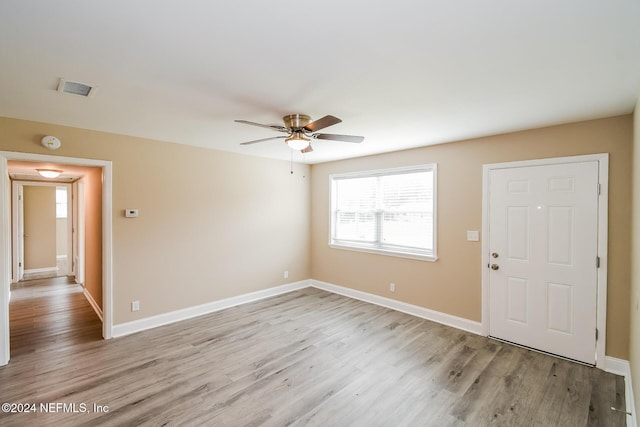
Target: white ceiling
x=402, y=73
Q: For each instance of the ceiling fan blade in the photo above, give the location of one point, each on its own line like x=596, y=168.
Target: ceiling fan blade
x=272, y=127
x=322, y=123
x=260, y=140
x=307, y=150
x=334, y=137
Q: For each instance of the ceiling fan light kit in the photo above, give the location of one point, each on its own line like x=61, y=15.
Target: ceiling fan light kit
x=297, y=141
x=300, y=130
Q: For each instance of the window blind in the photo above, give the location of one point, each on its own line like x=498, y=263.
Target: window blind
x=391, y=211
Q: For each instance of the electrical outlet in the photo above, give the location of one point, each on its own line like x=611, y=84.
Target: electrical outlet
x=135, y=305
x=286, y=274
x=392, y=287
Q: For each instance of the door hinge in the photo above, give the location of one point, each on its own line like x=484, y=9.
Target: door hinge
x=599, y=189
x=19, y=264
x=596, y=334
x=597, y=262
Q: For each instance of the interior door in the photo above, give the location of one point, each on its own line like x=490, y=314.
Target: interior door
x=20, y=240
x=543, y=234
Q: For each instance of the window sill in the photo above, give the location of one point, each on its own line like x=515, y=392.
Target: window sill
x=386, y=252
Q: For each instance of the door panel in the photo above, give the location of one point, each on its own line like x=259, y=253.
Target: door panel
x=517, y=300
x=543, y=225
x=560, y=307
x=518, y=233
x=560, y=235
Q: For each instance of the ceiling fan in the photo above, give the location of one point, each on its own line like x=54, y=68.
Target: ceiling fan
x=300, y=130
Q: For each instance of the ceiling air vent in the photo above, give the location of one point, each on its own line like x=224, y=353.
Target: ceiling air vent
x=76, y=88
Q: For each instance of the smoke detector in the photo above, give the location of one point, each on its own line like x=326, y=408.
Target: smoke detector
x=51, y=142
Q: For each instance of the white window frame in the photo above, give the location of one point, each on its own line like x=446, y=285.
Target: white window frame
x=376, y=248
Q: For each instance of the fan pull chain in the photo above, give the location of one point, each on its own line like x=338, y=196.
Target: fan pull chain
x=304, y=160
x=291, y=161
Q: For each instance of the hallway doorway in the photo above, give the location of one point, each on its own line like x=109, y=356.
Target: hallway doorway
x=97, y=289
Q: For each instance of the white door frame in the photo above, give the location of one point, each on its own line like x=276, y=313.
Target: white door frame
x=17, y=228
x=5, y=239
x=17, y=224
x=603, y=214
x=78, y=234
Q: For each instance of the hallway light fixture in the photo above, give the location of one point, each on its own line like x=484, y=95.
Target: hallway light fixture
x=49, y=173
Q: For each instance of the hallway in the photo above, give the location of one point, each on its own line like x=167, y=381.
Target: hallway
x=50, y=315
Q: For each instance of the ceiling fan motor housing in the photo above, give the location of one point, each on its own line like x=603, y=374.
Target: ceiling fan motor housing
x=296, y=121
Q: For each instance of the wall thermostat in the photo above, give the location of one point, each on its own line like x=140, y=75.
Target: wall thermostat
x=131, y=213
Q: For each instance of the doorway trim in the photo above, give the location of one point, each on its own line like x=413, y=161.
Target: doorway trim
x=5, y=239
x=603, y=233
x=17, y=224
x=78, y=235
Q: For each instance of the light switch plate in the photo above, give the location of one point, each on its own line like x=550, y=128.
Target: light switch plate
x=473, y=236
x=131, y=213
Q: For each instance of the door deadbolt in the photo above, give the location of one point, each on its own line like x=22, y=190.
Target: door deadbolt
x=494, y=255
x=495, y=266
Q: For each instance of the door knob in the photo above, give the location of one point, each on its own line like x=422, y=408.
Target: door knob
x=495, y=266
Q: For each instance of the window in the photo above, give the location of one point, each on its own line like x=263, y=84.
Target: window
x=390, y=211
x=61, y=202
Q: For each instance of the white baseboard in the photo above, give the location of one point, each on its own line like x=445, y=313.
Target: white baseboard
x=617, y=366
x=414, y=310
x=93, y=303
x=199, y=310
x=41, y=270
x=623, y=368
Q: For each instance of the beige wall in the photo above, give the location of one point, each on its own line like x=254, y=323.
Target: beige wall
x=212, y=224
x=93, y=233
x=39, y=227
x=634, y=337
x=215, y=224
x=453, y=284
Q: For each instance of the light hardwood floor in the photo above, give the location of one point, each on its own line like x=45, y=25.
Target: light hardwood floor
x=304, y=358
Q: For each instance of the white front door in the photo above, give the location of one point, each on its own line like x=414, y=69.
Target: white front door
x=543, y=239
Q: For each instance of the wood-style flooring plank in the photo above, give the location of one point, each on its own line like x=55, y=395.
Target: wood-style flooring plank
x=303, y=358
